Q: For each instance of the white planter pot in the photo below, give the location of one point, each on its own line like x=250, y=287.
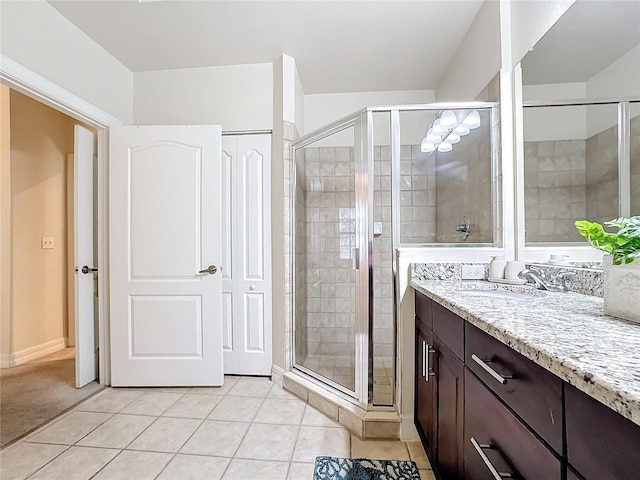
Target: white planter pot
x=622, y=289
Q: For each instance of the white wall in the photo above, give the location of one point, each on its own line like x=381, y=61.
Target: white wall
x=238, y=97
x=530, y=20
x=477, y=60
x=619, y=80
x=554, y=123
x=322, y=109
x=41, y=139
x=299, y=103
x=38, y=37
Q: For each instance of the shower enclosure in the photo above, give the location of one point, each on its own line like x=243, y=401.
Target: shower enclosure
x=382, y=178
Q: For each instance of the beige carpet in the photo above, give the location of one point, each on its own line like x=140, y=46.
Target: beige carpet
x=36, y=392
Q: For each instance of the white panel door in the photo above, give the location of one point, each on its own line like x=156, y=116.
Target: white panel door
x=229, y=254
x=83, y=253
x=247, y=284
x=165, y=202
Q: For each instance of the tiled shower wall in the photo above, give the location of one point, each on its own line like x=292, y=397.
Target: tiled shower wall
x=571, y=180
x=555, y=190
x=602, y=176
x=417, y=195
x=329, y=229
x=464, y=188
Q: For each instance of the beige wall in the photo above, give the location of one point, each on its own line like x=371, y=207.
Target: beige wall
x=41, y=138
x=5, y=219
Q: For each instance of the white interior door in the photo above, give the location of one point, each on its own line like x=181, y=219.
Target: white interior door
x=165, y=200
x=84, y=259
x=246, y=251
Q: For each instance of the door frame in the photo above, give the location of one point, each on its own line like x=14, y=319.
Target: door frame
x=39, y=88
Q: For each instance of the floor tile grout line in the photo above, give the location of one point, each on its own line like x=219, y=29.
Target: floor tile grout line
x=244, y=435
x=37, y=470
x=175, y=454
x=111, y=415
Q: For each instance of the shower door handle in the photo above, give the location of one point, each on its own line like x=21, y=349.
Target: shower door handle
x=356, y=258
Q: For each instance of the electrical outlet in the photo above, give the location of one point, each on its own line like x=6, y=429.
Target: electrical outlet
x=472, y=272
x=46, y=243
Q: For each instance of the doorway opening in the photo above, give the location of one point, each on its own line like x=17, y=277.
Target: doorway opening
x=39, y=334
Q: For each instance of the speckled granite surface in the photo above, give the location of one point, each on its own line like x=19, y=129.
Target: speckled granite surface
x=588, y=281
x=566, y=333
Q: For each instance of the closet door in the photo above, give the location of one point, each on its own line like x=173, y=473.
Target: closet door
x=247, y=249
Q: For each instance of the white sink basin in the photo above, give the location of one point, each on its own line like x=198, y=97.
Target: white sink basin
x=502, y=294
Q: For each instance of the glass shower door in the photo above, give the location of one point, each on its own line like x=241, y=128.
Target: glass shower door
x=327, y=258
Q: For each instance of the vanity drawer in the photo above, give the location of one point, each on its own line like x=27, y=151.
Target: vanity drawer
x=533, y=393
x=501, y=440
x=601, y=443
x=449, y=327
x=423, y=309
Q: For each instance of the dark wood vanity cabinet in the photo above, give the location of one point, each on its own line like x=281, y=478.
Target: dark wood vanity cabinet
x=523, y=419
x=601, y=444
x=449, y=371
x=439, y=391
x=425, y=389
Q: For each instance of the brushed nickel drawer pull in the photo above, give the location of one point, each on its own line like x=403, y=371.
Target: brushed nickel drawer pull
x=484, y=364
x=480, y=447
x=424, y=359
x=426, y=369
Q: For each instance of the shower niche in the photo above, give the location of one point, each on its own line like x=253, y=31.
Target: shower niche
x=382, y=179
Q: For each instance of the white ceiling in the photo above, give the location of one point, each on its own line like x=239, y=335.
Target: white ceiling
x=339, y=46
x=589, y=37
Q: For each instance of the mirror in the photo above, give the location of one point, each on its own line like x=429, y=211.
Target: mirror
x=584, y=66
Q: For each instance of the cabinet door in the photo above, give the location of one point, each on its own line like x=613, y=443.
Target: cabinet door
x=500, y=440
x=601, y=443
x=450, y=406
x=425, y=410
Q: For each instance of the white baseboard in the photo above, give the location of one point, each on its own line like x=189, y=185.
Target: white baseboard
x=32, y=353
x=408, y=432
x=277, y=375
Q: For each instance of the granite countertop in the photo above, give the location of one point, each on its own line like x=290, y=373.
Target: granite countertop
x=566, y=333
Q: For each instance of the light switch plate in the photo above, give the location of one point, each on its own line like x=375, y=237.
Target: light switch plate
x=46, y=243
x=472, y=272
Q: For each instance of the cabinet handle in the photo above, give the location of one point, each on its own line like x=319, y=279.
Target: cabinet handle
x=480, y=449
x=484, y=364
x=424, y=359
x=426, y=350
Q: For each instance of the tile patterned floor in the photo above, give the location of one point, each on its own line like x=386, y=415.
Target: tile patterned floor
x=247, y=429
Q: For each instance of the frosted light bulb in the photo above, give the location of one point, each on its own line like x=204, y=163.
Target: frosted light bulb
x=448, y=119
x=461, y=130
x=472, y=120
x=432, y=137
x=437, y=128
x=452, y=138
x=426, y=147
x=445, y=147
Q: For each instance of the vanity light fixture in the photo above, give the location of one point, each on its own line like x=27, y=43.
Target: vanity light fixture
x=472, y=120
x=426, y=147
x=461, y=130
x=452, y=138
x=437, y=128
x=448, y=120
x=445, y=130
x=432, y=137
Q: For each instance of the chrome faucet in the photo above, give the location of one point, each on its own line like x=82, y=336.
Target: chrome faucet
x=555, y=283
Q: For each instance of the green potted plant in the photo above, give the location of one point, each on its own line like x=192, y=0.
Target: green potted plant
x=621, y=272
